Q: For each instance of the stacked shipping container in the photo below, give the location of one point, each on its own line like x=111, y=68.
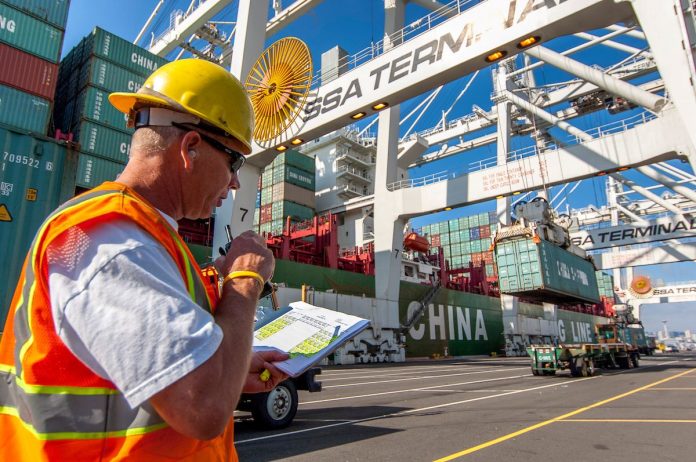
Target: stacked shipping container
x=464, y=240
x=100, y=64
x=35, y=177
x=286, y=189
x=31, y=36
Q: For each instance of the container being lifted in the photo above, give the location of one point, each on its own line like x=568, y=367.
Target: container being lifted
x=537, y=261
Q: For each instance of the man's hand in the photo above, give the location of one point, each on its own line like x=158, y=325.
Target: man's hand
x=247, y=253
x=261, y=360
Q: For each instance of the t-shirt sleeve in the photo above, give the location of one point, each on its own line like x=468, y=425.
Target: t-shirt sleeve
x=130, y=319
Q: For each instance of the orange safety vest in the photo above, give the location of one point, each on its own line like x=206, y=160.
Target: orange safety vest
x=52, y=407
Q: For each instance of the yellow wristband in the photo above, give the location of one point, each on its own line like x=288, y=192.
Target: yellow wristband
x=245, y=274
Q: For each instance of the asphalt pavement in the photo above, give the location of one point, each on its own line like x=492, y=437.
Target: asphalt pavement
x=487, y=409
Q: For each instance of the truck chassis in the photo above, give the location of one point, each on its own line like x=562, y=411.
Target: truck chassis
x=582, y=360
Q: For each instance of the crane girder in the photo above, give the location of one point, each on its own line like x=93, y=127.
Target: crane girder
x=445, y=52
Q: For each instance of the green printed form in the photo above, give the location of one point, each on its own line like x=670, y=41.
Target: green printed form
x=307, y=333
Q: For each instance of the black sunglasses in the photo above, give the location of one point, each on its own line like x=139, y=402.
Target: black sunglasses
x=238, y=158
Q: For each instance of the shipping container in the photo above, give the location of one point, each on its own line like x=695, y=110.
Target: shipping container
x=93, y=104
x=54, y=12
x=605, y=284
x=475, y=233
x=544, y=272
x=24, y=111
x=294, y=175
x=29, y=34
x=93, y=171
x=111, y=47
x=27, y=73
x=289, y=192
x=284, y=209
x=295, y=159
x=266, y=213
x=36, y=175
x=97, y=72
x=103, y=141
x=485, y=231
x=483, y=219
x=107, y=76
x=465, y=247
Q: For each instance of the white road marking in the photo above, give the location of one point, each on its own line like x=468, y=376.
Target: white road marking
x=434, y=387
x=410, y=411
x=425, y=377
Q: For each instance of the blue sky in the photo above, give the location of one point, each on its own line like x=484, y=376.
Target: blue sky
x=353, y=25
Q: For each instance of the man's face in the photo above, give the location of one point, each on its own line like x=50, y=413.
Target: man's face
x=213, y=178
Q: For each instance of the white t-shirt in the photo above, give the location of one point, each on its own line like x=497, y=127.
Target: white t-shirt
x=121, y=306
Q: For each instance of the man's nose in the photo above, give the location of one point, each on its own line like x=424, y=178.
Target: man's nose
x=234, y=182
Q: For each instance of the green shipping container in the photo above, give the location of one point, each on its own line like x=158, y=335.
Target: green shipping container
x=29, y=34
x=108, y=76
x=103, y=141
x=93, y=104
x=301, y=178
x=296, y=159
x=24, y=111
x=93, y=171
x=119, y=51
x=282, y=209
x=36, y=175
x=544, y=272
x=54, y=12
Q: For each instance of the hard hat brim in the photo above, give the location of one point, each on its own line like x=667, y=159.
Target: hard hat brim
x=126, y=102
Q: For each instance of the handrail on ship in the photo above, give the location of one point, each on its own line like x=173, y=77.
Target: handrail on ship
x=601, y=131
x=399, y=37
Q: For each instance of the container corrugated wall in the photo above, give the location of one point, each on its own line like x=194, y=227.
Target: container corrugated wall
x=35, y=177
x=27, y=72
x=108, y=76
x=103, y=141
x=30, y=34
x=296, y=159
x=54, y=12
x=120, y=51
x=93, y=104
x=93, y=171
x=23, y=110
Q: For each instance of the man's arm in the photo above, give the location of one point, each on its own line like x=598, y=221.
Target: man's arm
x=200, y=404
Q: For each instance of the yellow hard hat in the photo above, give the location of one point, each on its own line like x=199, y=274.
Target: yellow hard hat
x=197, y=87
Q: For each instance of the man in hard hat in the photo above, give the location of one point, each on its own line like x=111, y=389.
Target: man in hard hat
x=114, y=348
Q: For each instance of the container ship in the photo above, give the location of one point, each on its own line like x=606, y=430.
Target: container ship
x=482, y=282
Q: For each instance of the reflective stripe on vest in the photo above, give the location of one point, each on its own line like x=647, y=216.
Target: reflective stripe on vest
x=53, y=412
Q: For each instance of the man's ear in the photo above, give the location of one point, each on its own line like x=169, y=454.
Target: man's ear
x=188, y=149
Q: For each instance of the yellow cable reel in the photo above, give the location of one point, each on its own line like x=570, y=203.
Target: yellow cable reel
x=278, y=85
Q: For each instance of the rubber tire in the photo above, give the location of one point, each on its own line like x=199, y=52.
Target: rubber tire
x=635, y=361
x=624, y=363
x=277, y=408
x=535, y=372
x=591, y=369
